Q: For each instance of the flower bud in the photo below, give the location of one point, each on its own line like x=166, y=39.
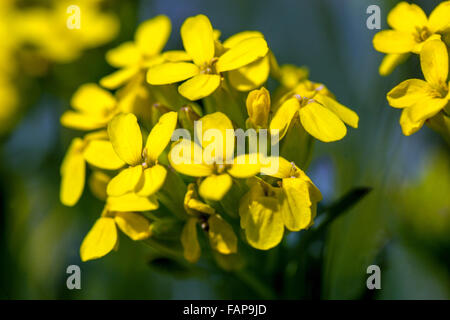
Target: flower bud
x=258, y=108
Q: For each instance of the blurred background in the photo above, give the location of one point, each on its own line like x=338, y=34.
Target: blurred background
x=402, y=225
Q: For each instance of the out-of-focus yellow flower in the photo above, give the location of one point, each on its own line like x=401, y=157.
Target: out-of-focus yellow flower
x=214, y=158
x=421, y=100
x=221, y=235
x=46, y=29
x=319, y=113
x=410, y=30
x=258, y=108
x=103, y=236
x=144, y=176
x=133, y=58
x=205, y=74
x=94, y=108
x=265, y=210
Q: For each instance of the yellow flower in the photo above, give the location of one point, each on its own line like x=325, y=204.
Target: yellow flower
x=213, y=158
x=266, y=210
x=103, y=237
x=421, y=100
x=319, y=113
x=95, y=149
x=221, y=235
x=205, y=73
x=260, y=214
x=144, y=175
x=135, y=57
x=258, y=108
x=94, y=108
x=410, y=30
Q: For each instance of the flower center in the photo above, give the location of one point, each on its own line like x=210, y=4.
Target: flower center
x=422, y=34
x=209, y=68
x=303, y=101
x=221, y=168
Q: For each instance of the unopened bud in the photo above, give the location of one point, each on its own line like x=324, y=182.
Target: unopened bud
x=258, y=108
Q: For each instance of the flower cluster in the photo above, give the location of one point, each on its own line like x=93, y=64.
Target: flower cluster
x=421, y=101
x=36, y=35
x=186, y=193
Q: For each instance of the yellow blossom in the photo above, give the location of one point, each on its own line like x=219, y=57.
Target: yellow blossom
x=410, y=30
x=214, y=158
x=144, y=175
x=221, y=235
x=103, y=236
x=95, y=149
x=266, y=210
x=93, y=107
x=319, y=113
x=419, y=99
x=135, y=57
x=205, y=73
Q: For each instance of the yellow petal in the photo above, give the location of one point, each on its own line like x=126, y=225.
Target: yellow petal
x=221, y=235
x=151, y=35
x=133, y=225
x=118, y=78
x=250, y=76
x=408, y=126
x=264, y=227
x=284, y=116
x=296, y=205
x=176, y=56
x=126, y=54
x=391, y=41
x=200, y=86
x=193, y=205
x=73, y=171
x=126, y=138
x=321, y=123
x=245, y=166
x=214, y=187
x=153, y=180
x=408, y=92
x=426, y=108
x=245, y=52
x=171, y=72
x=217, y=137
x=238, y=37
x=189, y=241
x=100, y=240
x=125, y=182
x=101, y=154
x=345, y=114
x=159, y=137
x=439, y=21
x=83, y=121
x=92, y=99
x=407, y=17
x=434, y=62
x=132, y=202
x=390, y=62
x=285, y=168
x=198, y=39
x=186, y=157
